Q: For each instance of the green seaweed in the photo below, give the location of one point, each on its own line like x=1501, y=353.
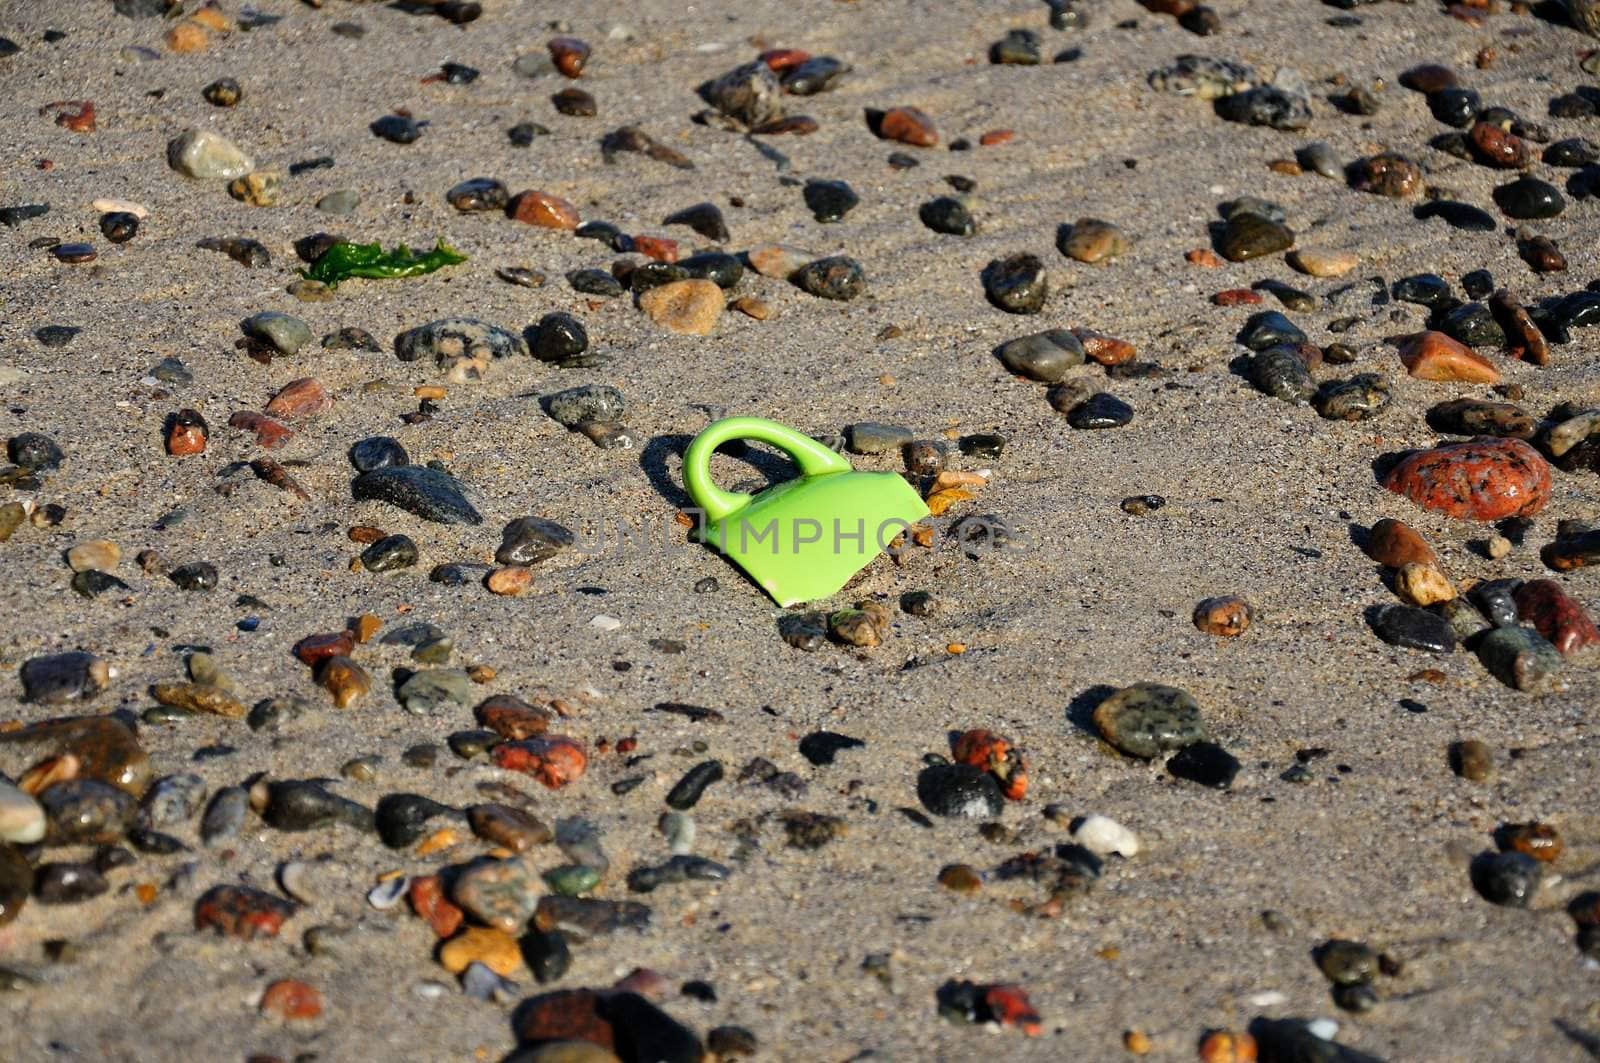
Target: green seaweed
x=344, y=260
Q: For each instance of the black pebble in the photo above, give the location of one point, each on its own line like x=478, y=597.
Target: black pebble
x=1205, y=763
x=820, y=747
x=686, y=794
x=376, y=452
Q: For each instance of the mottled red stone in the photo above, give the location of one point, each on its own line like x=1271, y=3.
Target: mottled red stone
x=1544, y=606
x=565, y=1015
x=1498, y=147
x=555, y=760
x=1107, y=350
x=313, y=649
x=269, y=433
x=1237, y=297
x=1480, y=480
x=511, y=717
x=996, y=137
x=241, y=912
x=301, y=398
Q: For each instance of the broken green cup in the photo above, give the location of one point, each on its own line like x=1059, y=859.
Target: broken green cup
x=802, y=539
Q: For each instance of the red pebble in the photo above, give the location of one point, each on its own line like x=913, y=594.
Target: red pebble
x=1544, y=606
x=555, y=760
x=429, y=902
x=1010, y=1007
x=1480, y=480
x=570, y=54
x=241, y=912
x=780, y=59
x=314, y=649
x=544, y=210
x=990, y=752
x=565, y=1015
x=660, y=248
x=76, y=115
x=186, y=434
x=1237, y=297
x=269, y=433
x=909, y=126
x=1106, y=350
x=511, y=717
x=299, y=399
x=289, y=999
x=996, y=137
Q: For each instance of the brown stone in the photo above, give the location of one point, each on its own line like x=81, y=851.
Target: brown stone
x=241, y=912
x=1227, y=617
x=777, y=260
x=269, y=433
x=544, y=210
x=1091, y=240
x=510, y=828
x=570, y=55
x=1388, y=174
x=367, y=625
x=186, y=434
x=510, y=580
x=1538, y=840
x=1542, y=255
x=76, y=115
x=1396, y=544
x=996, y=137
x=1106, y=350
x=908, y=126
x=512, y=718
x=1237, y=297
x=1435, y=356
x=428, y=900
x=346, y=680
x=1523, y=338
x=300, y=399
x=313, y=649
x=565, y=1015
x=660, y=248
x=1428, y=78
x=688, y=307
x=198, y=697
x=750, y=306
x=1499, y=147
x=1203, y=257
x=288, y=999
x=106, y=750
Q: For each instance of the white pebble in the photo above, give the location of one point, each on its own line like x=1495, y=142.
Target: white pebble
x=1271, y=998
x=1102, y=834
x=387, y=894
x=430, y=990
x=605, y=623
x=112, y=206
x=1326, y=1029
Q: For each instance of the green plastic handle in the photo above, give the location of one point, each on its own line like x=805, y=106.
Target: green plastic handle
x=813, y=458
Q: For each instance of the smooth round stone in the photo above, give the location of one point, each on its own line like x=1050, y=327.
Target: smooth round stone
x=1206, y=764
x=1247, y=235
x=1507, y=879
x=595, y=282
x=1016, y=284
x=1282, y=373
x=344, y=201
x=1425, y=289
x=422, y=491
x=84, y=810
x=1270, y=329
x=389, y=554
x=724, y=270
x=1100, y=410
x=35, y=452
x=1043, y=356
x=377, y=452
x=119, y=226
x=1482, y=480
x=1528, y=198
x=1521, y=658
x=1320, y=158
x=285, y=332
x=207, y=156
x=830, y=201
x=223, y=92
x=705, y=219
x=647, y=275
x=959, y=790
x=195, y=576
x=22, y=819
x=559, y=338
x=1411, y=628
x=1363, y=396
x=1318, y=263
x=1347, y=962
x=68, y=883
x=172, y=800
x=837, y=277
x=1572, y=153
x=397, y=128
x=584, y=404
x=947, y=215
x=1472, y=324
x=478, y=194
x=1147, y=719
x=874, y=437
x=1455, y=106
x=433, y=690
x=16, y=882
x=530, y=540
x=816, y=74
x=1090, y=240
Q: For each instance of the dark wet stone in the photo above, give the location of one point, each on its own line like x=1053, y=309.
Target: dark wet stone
x=607, y=234
x=1509, y=879
x=1411, y=628
x=1477, y=284
x=1425, y=289
x=458, y=574
x=575, y=103
x=1463, y=216
x=1269, y=329
x=1455, y=106
x=13, y=217
x=425, y=492
x=643, y=1031
x=397, y=128
x=1521, y=658
x=1100, y=410
x=806, y=631
x=85, y=810
x=705, y=219
x=1018, y=47
x=1016, y=284
x=837, y=277
x=1572, y=153
x=172, y=800
x=749, y=94
x=1043, y=356
x=584, y=404
x=948, y=215
x=959, y=790
x=830, y=201
x=1496, y=600
x=1572, y=105
x=815, y=75
x=300, y=805
x=478, y=194
x=647, y=275
x=1205, y=763
x=1247, y=235
x=119, y=226
x=1529, y=198
x=1472, y=324
x=530, y=540
x=74, y=252
x=1267, y=105
x=722, y=269
x=1347, y=962
x=56, y=336
x=195, y=576
x=1282, y=373
x=688, y=790
x=35, y=451
x=68, y=883
x=1363, y=396
x=681, y=868
x=377, y=452
x=547, y=955
x=16, y=882
x=1147, y=719
x=403, y=818
x=581, y=918
x=560, y=338
x=594, y=282
x=155, y=842
x=1477, y=417
x=1292, y=1041
x=821, y=747
x=92, y=584
x=389, y=554
x=523, y=134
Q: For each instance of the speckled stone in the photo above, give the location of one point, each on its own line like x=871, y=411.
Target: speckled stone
x=1147, y=719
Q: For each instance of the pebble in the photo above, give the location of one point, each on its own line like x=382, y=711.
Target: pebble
x=1359, y=398
x=22, y=820
x=1573, y=153
x=346, y=680
x=949, y=216
x=198, y=697
x=1321, y=159
x=837, y=277
x=689, y=307
x=1475, y=417
x=390, y=554
x=689, y=789
x=1091, y=240
x=1099, y=410
x=186, y=434
x=1285, y=106
x=16, y=883
x=68, y=883
x=830, y=201
x=1482, y=480
x=959, y=790
x=1016, y=284
x=285, y=333
x=1323, y=263
x=1227, y=617
x=750, y=94
x=289, y=1000
x=1435, y=356
x=493, y=947
x=420, y=490
x=1507, y=879
x=1281, y=372
x=498, y=893
x=258, y=189
x=1528, y=198
x=463, y=347
x=1203, y=76
x=1472, y=324
x=207, y=156
x=705, y=219
x=1205, y=764
x=1104, y=836
x=99, y=555
x=1544, y=606
x=1147, y=719
x=1472, y=760
x=478, y=194
x=303, y=804
x=398, y=128
x=907, y=125
x=544, y=210
x=1043, y=356
x=433, y=690
x=1521, y=658
x=1247, y=235
x=646, y=879
x=1387, y=174
x=241, y=912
